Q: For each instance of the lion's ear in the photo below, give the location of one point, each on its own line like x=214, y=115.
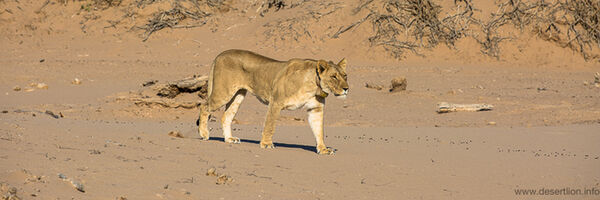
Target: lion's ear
x=321, y=66
x=342, y=64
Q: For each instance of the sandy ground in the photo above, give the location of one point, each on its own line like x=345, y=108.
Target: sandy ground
x=542, y=132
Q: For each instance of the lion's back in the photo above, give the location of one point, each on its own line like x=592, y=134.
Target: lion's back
x=244, y=69
x=246, y=61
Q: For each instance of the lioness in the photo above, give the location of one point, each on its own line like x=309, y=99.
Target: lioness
x=293, y=84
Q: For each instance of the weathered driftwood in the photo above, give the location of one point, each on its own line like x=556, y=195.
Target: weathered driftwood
x=167, y=103
x=192, y=84
x=374, y=86
x=444, y=107
x=163, y=95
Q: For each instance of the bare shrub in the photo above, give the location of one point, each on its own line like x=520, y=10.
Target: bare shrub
x=172, y=18
x=412, y=24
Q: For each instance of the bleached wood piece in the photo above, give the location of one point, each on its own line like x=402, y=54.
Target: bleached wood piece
x=444, y=107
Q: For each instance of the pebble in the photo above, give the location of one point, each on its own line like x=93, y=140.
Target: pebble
x=224, y=179
x=76, y=184
x=76, y=81
x=176, y=134
x=211, y=172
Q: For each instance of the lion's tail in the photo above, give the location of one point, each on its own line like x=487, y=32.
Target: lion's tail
x=210, y=80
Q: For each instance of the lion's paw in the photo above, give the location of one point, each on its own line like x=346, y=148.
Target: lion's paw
x=233, y=140
x=267, y=145
x=204, y=137
x=326, y=151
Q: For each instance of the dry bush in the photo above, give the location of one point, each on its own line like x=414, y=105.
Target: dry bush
x=104, y=4
x=294, y=28
x=512, y=12
x=90, y=5
x=144, y=3
x=412, y=24
x=172, y=18
x=574, y=24
x=570, y=23
x=276, y=5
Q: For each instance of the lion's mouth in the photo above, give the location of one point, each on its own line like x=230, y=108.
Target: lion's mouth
x=341, y=95
x=344, y=93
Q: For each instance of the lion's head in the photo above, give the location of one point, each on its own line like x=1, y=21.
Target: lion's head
x=333, y=79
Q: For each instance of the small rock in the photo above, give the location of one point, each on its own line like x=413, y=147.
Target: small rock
x=94, y=151
x=398, y=84
x=17, y=88
x=211, y=172
x=149, y=83
x=76, y=184
x=10, y=193
x=176, y=134
x=121, y=198
x=491, y=123
x=223, y=179
x=184, y=191
x=374, y=86
x=55, y=116
x=29, y=90
x=5, y=111
x=76, y=81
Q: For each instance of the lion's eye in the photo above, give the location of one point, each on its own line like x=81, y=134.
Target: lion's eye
x=334, y=77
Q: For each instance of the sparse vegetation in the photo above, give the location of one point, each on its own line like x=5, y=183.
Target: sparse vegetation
x=397, y=26
x=172, y=18
x=412, y=25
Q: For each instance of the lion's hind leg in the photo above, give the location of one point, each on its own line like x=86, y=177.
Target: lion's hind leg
x=202, y=122
x=230, y=110
x=213, y=103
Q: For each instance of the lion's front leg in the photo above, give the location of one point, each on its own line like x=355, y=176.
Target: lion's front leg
x=315, y=120
x=269, y=129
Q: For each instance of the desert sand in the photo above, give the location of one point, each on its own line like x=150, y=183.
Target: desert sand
x=67, y=78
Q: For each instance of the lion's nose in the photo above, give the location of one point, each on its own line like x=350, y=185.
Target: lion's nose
x=345, y=90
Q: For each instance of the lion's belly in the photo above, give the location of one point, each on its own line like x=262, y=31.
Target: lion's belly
x=305, y=101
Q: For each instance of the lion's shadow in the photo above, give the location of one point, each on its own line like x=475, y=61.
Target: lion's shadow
x=277, y=144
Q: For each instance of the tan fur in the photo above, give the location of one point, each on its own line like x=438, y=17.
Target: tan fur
x=293, y=84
